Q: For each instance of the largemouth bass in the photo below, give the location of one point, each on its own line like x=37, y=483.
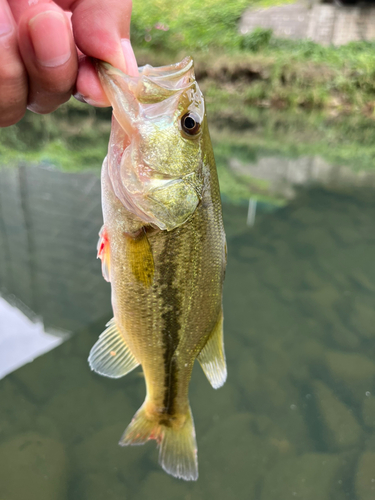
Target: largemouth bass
x=163, y=249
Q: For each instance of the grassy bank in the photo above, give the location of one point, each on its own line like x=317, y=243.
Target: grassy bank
x=282, y=97
x=255, y=69
x=286, y=75
x=265, y=97
x=194, y=26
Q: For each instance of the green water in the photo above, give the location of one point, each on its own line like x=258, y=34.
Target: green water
x=296, y=418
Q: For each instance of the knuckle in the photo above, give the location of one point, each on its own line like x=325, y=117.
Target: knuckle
x=11, y=73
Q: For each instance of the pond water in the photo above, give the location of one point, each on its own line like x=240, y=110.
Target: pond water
x=296, y=418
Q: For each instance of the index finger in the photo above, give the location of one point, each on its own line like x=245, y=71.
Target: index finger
x=101, y=30
x=99, y=26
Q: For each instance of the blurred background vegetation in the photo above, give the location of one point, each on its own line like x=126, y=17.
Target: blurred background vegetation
x=264, y=95
x=195, y=25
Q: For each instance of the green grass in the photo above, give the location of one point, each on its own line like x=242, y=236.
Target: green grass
x=189, y=25
x=284, y=74
x=348, y=70
x=195, y=27
x=293, y=73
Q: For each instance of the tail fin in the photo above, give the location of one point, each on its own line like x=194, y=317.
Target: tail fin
x=177, y=447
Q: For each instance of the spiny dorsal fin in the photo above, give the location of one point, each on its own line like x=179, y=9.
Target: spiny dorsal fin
x=110, y=356
x=212, y=356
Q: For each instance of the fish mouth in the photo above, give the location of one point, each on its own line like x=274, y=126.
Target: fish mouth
x=131, y=96
x=151, y=81
x=175, y=70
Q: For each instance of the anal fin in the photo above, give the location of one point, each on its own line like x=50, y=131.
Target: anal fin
x=212, y=356
x=111, y=356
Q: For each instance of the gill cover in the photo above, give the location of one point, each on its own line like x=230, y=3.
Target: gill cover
x=155, y=168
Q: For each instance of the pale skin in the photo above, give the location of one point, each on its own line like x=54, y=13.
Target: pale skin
x=45, y=50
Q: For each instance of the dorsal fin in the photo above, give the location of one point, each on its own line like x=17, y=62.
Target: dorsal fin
x=212, y=356
x=111, y=356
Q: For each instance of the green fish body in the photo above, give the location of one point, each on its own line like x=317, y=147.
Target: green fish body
x=163, y=249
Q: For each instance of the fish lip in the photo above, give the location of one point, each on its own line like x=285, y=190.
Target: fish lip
x=103, y=65
x=162, y=73
x=157, y=76
x=100, y=65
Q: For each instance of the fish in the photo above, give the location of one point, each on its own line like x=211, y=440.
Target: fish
x=163, y=249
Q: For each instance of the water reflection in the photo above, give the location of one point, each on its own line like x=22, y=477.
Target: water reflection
x=49, y=224
x=296, y=418
x=282, y=177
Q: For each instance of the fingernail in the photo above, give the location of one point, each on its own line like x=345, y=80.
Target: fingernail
x=130, y=60
x=50, y=38
x=6, y=24
x=90, y=101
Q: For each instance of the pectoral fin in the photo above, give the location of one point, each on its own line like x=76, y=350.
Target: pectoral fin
x=212, y=356
x=103, y=253
x=140, y=258
x=110, y=356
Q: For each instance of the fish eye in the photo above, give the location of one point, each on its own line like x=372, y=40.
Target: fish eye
x=190, y=124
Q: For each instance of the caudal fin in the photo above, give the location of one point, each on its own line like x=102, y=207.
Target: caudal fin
x=177, y=447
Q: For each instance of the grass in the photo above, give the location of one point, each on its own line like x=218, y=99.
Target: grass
x=194, y=26
x=289, y=74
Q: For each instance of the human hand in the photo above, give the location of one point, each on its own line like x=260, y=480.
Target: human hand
x=45, y=47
